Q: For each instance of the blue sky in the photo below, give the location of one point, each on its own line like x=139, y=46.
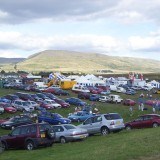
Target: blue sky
x=118, y=27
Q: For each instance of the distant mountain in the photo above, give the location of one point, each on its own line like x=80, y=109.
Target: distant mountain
x=70, y=61
x=10, y=60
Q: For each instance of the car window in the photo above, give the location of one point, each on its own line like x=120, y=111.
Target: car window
x=147, y=117
x=112, y=116
x=44, y=127
x=25, y=130
x=139, y=119
x=68, y=127
x=16, y=132
x=96, y=119
x=58, y=129
x=88, y=121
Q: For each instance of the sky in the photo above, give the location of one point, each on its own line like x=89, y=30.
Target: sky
x=129, y=28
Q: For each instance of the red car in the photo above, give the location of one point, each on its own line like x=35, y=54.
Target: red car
x=129, y=102
x=62, y=103
x=144, y=121
x=50, y=90
x=8, y=108
x=46, y=105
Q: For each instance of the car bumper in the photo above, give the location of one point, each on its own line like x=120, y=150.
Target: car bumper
x=116, y=128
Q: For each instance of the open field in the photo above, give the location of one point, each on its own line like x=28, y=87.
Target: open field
x=132, y=145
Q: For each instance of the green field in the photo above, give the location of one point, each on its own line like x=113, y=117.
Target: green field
x=132, y=145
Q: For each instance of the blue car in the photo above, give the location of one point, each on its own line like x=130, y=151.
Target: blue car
x=94, y=97
x=79, y=116
x=52, y=118
x=131, y=92
x=75, y=101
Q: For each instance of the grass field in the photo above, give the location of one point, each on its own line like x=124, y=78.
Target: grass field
x=131, y=145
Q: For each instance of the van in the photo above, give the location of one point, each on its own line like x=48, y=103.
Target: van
x=115, y=98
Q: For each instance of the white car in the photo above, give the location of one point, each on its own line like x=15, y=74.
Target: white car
x=115, y=98
x=53, y=103
x=104, y=99
x=22, y=106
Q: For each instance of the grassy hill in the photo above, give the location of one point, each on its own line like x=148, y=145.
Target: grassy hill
x=69, y=61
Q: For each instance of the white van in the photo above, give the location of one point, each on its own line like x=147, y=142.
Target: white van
x=80, y=88
x=115, y=98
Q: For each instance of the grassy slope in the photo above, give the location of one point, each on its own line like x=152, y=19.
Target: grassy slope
x=137, y=144
x=85, y=62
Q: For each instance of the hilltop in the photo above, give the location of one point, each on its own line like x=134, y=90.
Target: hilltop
x=70, y=61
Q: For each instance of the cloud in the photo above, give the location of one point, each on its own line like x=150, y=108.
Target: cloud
x=128, y=11
x=9, y=54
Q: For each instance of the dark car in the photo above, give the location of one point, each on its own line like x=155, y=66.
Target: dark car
x=11, y=97
x=94, y=97
x=52, y=118
x=42, y=96
x=16, y=121
x=60, y=92
x=29, y=136
x=129, y=102
x=75, y=101
x=62, y=103
x=144, y=121
x=35, y=97
x=24, y=96
x=83, y=95
x=50, y=95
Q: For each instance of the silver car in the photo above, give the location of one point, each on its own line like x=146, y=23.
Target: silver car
x=104, y=124
x=69, y=132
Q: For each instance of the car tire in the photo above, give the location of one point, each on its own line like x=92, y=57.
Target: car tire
x=62, y=140
x=155, y=125
x=50, y=134
x=128, y=128
x=3, y=146
x=104, y=131
x=29, y=145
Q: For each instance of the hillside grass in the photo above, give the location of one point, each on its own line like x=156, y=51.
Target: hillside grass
x=70, y=61
x=133, y=145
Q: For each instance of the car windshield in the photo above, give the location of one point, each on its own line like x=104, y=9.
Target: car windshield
x=57, y=115
x=25, y=103
x=68, y=127
x=112, y=116
x=6, y=105
x=79, y=113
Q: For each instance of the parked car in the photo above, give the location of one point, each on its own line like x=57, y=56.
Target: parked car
x=129, y=102
x=144, y=121
x=52, y=118
x=29, y=136
x=50, y=95
x=104, y=99
x=79, y=116
x=42, y=96
x=53, y=103
x=107, y=92
x=94, y=97
x=61, y=92
x=46, y=105
x=8, y=107
x=83, y=95
x=16, y=121
x=62, y=103
x=33, y=104
x=115, y=98
x=35, y=97
x=11, y=97
x=130, y=92
x=75, y=101
x=22, y=106
x=24, y=96
x=104, y=123
x=68, y=132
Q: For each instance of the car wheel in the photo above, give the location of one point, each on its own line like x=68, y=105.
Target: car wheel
x=128, y=128
x=29, y=145
x=155, y=125
x=3, y=146
x=104, y=131
x=63, y=140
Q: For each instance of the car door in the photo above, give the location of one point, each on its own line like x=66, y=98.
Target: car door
x=13, y=140
x=147, y=121
x=138, y=123
x=58, y=132
x=96, y=124
x=88, y=125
